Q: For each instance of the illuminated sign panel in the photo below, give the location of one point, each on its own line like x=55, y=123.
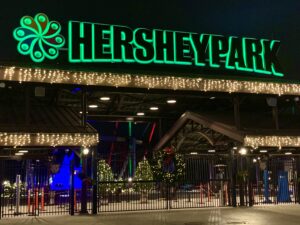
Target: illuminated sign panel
x=102, y=43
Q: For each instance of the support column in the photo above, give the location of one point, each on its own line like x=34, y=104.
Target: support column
x=237, y=117
x=249, y=181
x=233, y=170
x=84, y=185
x=275, y=117
x=83, y=108
x=72, y=189
x=94, y=180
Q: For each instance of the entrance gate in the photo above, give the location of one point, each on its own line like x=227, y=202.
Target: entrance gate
x=205, y=184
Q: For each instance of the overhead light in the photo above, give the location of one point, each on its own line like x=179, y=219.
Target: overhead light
x=194, y=153
x=105, y=98
x=212, y=98
x=85, y=151
x=296, y=99
x=154, y=108
x=140, y=114
x=19, y=153
x=93, y=106
x=211, y=150
x=81, y=112
x=235, y=148
x=254, y=160
x=129, y=179
x=23, y=151
x=243, y=151
x=288, y=153
x=171, y=101
x=263, y=151
x=130, y=118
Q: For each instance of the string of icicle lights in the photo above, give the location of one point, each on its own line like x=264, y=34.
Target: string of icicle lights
x=272, y=141
x=48, y=139
x=145, y=81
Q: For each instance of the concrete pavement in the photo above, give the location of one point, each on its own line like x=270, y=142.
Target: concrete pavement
x=262, y=215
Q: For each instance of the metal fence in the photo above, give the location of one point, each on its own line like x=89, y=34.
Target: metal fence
x=207, y=183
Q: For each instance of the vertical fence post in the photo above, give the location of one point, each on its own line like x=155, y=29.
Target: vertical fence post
x=233, y=168
x=95, y=180
x=250, y=190
x=72, y=188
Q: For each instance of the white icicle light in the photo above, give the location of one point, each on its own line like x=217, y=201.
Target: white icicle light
x=48, y=139
x=146, y=81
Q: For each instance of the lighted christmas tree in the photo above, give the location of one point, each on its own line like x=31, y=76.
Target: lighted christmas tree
x=143, y=173
x=105, y=174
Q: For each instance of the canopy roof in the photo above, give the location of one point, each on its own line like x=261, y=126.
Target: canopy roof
x=214, y=132
x=43, y=126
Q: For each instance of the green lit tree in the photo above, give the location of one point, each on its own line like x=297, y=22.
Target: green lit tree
x=105, y=178
x=143, y=179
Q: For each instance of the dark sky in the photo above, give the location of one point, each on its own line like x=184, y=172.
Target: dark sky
x=271, y=19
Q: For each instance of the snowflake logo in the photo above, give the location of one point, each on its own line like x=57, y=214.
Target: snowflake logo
x=39, y=37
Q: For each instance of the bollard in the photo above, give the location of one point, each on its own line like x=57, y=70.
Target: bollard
x=28, y=201
x=208, y=192
x=201, y=194
x=43, y=200
x=75, y=201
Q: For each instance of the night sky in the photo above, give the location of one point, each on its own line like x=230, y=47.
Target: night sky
x=271, y=19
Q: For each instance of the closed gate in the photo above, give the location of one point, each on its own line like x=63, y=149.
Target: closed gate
x=205, y=184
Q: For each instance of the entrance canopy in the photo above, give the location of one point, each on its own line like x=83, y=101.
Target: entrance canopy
x=217, y=133
x=43, y=126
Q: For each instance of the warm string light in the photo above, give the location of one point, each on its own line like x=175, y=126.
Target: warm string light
x=272, y=141
x=48, y=139
x=146, y=81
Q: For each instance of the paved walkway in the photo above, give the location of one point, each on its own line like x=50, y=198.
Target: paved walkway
x=264, y=215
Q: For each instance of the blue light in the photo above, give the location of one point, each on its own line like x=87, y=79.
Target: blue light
x=62, y=179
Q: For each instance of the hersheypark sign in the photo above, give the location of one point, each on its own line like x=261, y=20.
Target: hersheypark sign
x=87, y=42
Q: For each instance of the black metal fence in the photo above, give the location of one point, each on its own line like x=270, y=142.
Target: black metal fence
x=208, y=182
x=158, y=195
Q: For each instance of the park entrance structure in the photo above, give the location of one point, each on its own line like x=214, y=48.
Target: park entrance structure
x=40, y=148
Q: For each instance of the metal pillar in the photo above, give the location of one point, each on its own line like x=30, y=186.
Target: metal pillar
x=95, y=180
x=233, y=170
x=237, y=117
x=249, y=181
x=84, y=186
x=83, y=107
x=72, y=189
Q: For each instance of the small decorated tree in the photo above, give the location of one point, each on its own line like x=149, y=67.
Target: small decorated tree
x=106, y=178
x=143, y=178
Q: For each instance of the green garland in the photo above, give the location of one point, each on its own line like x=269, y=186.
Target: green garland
x=159, y=158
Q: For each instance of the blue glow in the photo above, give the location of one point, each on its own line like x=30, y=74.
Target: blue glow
x=62, y=179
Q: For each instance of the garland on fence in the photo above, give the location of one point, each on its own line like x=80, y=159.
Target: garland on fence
x=168, y=165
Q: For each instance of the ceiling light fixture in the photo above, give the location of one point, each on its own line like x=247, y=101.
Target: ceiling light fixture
x=211, y=150
x=263, y=151
x=93, y=106
x=154, y=108
x=171, y=101
x=105, y=98
x=243, y=151
x=23, y=151
x=19, y=153
x=194, y=153
x=140, y=114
